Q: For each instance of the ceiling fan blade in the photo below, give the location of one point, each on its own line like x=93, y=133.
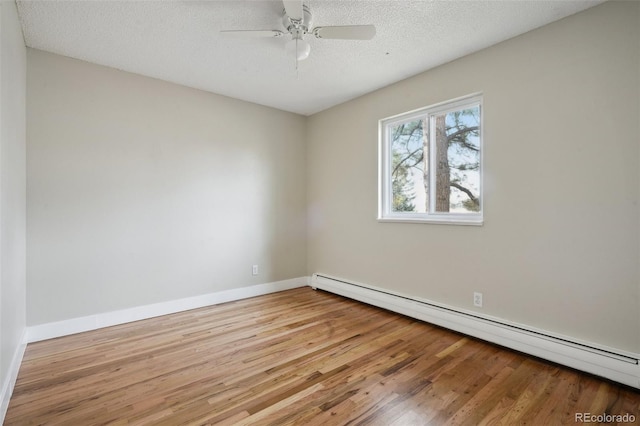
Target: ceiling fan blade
x=252, y=33
x=346, y=32
x=293, y=9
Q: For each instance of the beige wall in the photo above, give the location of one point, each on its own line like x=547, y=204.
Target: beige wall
x=141, y=191
x=559, y=249
x=12, y=187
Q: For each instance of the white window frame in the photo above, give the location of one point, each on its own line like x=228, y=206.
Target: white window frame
x=385, y=196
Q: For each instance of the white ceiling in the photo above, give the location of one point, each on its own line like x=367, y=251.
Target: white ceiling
x=179, y=41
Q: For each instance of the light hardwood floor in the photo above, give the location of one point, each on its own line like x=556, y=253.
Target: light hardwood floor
x=297, y=357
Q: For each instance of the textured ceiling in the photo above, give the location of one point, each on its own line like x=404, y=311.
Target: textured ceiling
x=179, y=41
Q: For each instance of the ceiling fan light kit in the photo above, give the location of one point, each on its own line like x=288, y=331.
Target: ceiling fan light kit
x=297, y=20
x=298, y=48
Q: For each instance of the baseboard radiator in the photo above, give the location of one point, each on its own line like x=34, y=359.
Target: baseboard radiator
x=613, y=364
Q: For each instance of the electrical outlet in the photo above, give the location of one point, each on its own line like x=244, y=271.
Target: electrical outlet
x=477, y=299
x=254, y=271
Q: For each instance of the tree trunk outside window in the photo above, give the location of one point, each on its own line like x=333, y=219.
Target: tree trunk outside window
x=443, y=176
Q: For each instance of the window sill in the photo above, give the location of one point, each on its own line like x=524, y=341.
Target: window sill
x=470, y=221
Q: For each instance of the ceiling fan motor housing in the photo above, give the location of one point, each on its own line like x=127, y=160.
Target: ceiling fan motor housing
x=292, y=25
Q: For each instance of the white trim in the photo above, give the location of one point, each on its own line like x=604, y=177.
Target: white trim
x=442, y=220
x=12, y=374
x=611, y=363
x=51, y=330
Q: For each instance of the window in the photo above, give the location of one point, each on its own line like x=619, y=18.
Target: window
x=431, y=164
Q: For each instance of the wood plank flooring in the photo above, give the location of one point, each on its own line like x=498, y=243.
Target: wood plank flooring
x=297, y=357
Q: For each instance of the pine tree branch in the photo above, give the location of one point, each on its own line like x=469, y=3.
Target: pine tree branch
x=462, y=140
x=466, y=191
x=395, y=169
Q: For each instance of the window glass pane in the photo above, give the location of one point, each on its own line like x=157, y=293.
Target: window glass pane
x=457, y=136
x=408, y=167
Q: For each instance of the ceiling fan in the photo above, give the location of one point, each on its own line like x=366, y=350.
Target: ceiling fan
x=296, y=20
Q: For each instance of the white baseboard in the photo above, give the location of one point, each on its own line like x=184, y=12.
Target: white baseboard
x=51, y=330
x=10, y=379
x=617, y=365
